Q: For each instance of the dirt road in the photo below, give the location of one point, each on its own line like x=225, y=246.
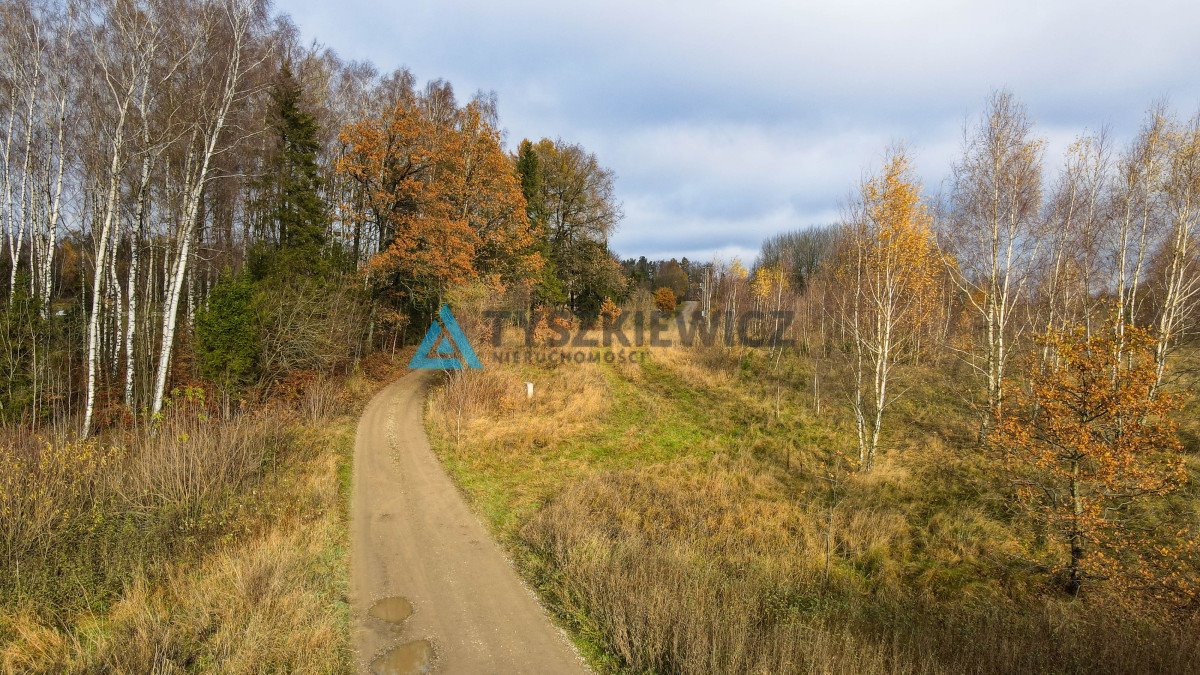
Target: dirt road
x=430, y=590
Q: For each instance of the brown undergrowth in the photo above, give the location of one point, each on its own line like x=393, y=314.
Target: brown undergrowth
x=201, y=544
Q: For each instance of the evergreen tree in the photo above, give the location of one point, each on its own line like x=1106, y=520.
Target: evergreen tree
x=641, y=272
x=549, y=290
x=296, y=208
x=227, y=335
x=532, y=183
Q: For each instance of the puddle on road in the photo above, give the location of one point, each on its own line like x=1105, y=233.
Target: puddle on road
x=393, y=610
x=410, y=658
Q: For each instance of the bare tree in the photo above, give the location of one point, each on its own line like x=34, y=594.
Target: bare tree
x=995, y=204
x=25, y=55
x=122, y=49
x=1180, y=285
x=1135, y=217
x=1070, y=281
x=230, y=27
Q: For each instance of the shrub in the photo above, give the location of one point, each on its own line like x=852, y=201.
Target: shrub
x=609, y=311
x=309, y=324
x=80, y=514
x=227, y=335
x=664, y=299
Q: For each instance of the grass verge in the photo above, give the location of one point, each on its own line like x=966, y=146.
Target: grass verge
x=687, y=515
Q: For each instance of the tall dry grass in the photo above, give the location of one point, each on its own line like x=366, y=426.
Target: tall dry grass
x=203, y=544
x=490, y=406
x=761, y=558
x=78, y=517
x=246, y=609
x=711, y=569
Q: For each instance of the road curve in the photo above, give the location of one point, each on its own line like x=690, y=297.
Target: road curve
x=414, y=539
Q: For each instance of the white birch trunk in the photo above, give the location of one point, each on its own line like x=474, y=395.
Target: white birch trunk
x=101, y=257
x=239, y=17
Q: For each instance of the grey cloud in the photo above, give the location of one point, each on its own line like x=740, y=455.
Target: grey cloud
x=727, y=123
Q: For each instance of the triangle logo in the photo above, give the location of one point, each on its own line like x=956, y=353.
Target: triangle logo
x=438, y=347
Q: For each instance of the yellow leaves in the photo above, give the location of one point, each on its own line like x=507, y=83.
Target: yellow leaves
x=609, y=311
x=902, y=231
x=767, y=282
x=891, y=261
x=47, y=484
x=893, y=204
x=664, y=299
x=895, y=231
x=737, y=270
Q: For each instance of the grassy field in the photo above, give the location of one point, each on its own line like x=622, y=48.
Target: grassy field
x=692, y=514
x=207, y=546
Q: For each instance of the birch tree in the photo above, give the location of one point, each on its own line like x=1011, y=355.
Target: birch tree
x=996, y=198
x=1180, y=285
x=229, y=28
x=1135, y=218
x=26, y=45
x=56, y=156
x=122, y=50
x=1070, y=279
x=889, y=269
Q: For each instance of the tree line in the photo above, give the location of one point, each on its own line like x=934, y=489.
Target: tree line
x=189, y=190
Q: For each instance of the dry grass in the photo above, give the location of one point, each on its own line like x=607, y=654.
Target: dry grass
x=490, y=406
x=689, y=526
x=79, y=518
x=712, y=569
x=255, y=607
x=205, y=545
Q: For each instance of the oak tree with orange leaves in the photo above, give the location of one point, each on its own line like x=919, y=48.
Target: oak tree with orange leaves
x=664, y=300
x=445, y=200
x=1087, y=442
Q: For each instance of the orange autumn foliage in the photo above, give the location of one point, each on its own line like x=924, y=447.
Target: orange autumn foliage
x=609, y=311
x=444, y=197
x=664, y=299
x=1086, y=444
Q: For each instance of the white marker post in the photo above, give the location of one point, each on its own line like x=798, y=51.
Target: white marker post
x=529, y=390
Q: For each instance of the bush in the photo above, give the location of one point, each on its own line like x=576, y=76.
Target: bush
x=209, y=546
x=20, y=322
x=85, y=514
x=227, y=335
x=309, y=324
x=609, y=311
x=664, y=299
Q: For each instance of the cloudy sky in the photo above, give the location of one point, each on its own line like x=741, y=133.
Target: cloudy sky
x=727, y=122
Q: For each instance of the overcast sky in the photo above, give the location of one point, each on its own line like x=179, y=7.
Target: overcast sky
x=729, y=122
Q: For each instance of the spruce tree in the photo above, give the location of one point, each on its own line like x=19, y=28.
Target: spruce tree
x=227, y=334
x=549, y=289
x=296, y=206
